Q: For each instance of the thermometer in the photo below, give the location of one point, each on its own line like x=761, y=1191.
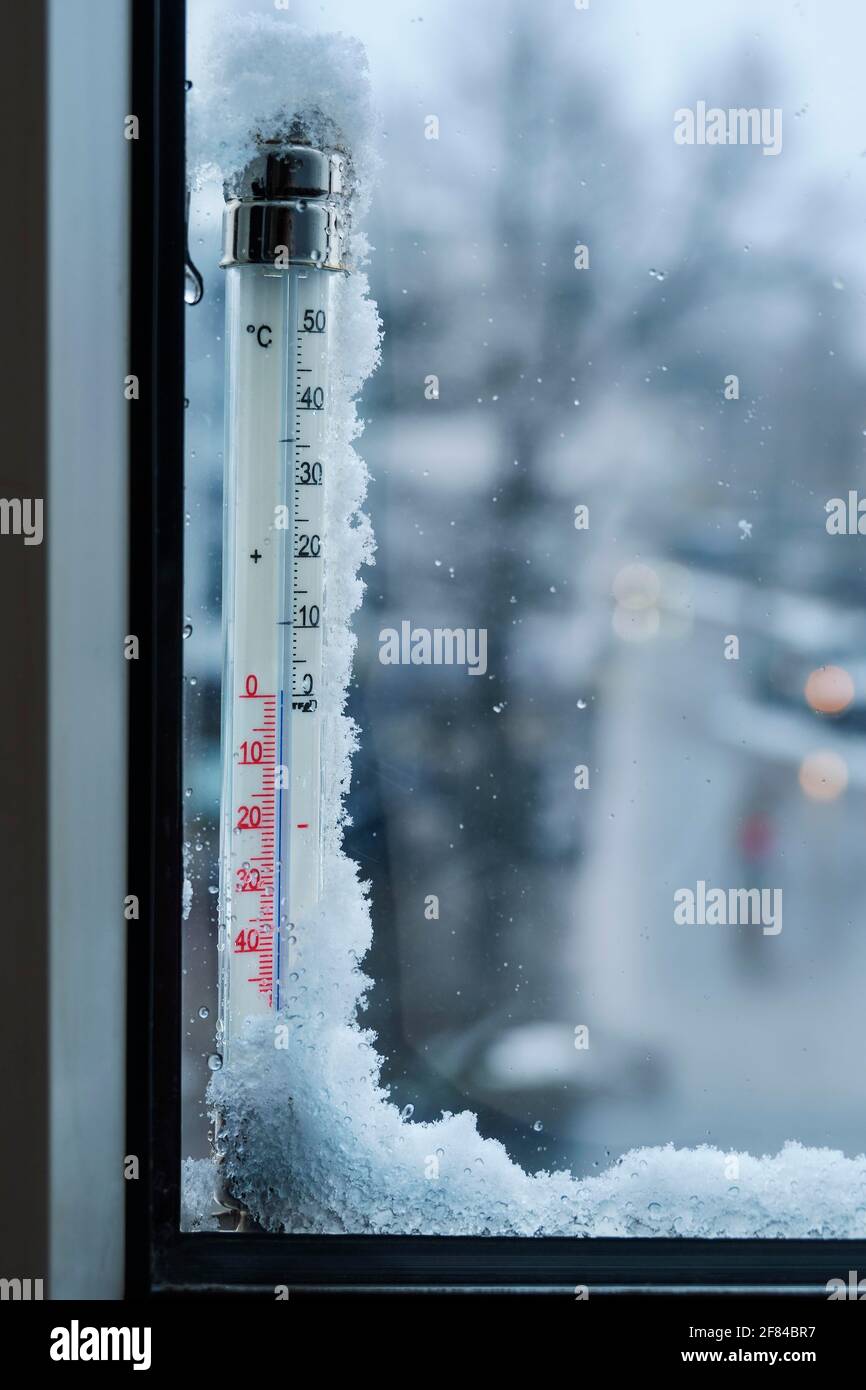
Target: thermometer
x=282, y=243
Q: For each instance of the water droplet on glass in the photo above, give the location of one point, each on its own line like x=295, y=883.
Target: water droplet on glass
x=215, y=1061
x=538, y=1126
x=187, y=629
x=204, y=1011
x=407, y=1112
x=193, y=285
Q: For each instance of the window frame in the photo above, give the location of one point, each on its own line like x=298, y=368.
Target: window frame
x=162, y=1260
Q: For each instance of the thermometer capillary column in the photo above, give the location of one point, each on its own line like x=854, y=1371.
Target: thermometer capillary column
x=282, y=243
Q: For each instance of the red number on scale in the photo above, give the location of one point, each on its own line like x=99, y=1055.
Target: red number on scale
x=250, y=818
x=249, y=880
x=246, y=941
x=251, y=752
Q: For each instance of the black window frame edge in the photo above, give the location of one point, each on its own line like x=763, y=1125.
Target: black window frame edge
x=160, y=1259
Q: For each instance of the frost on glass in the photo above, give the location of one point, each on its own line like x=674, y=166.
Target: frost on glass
x=309, y=1139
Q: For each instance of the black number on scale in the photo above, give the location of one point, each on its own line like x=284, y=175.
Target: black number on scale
x=309, y=547
x=310, y=474
x=314, y=321
x=313, y=398
x=309, y=616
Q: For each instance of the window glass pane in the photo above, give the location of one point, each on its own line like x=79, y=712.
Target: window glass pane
x=609, y=686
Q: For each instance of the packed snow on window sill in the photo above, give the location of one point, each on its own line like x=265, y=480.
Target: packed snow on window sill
x=309, y=1139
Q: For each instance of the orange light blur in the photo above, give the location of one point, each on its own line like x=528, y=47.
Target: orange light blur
x=823, y=775
x=829, y=690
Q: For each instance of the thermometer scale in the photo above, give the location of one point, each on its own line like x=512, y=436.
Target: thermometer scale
x=282, y=245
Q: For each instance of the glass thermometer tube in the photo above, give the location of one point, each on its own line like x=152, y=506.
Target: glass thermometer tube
x=282, y=244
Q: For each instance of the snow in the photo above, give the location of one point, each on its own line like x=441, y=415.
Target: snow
x=315, y=1145
x=309, y=1139
x=187, y=889
x=197, y=1195
x=262, y=73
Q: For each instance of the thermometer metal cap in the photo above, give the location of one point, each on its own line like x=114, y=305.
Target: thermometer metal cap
x=286, y=209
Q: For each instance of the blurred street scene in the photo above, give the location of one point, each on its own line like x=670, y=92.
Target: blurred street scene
x=605, y=388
